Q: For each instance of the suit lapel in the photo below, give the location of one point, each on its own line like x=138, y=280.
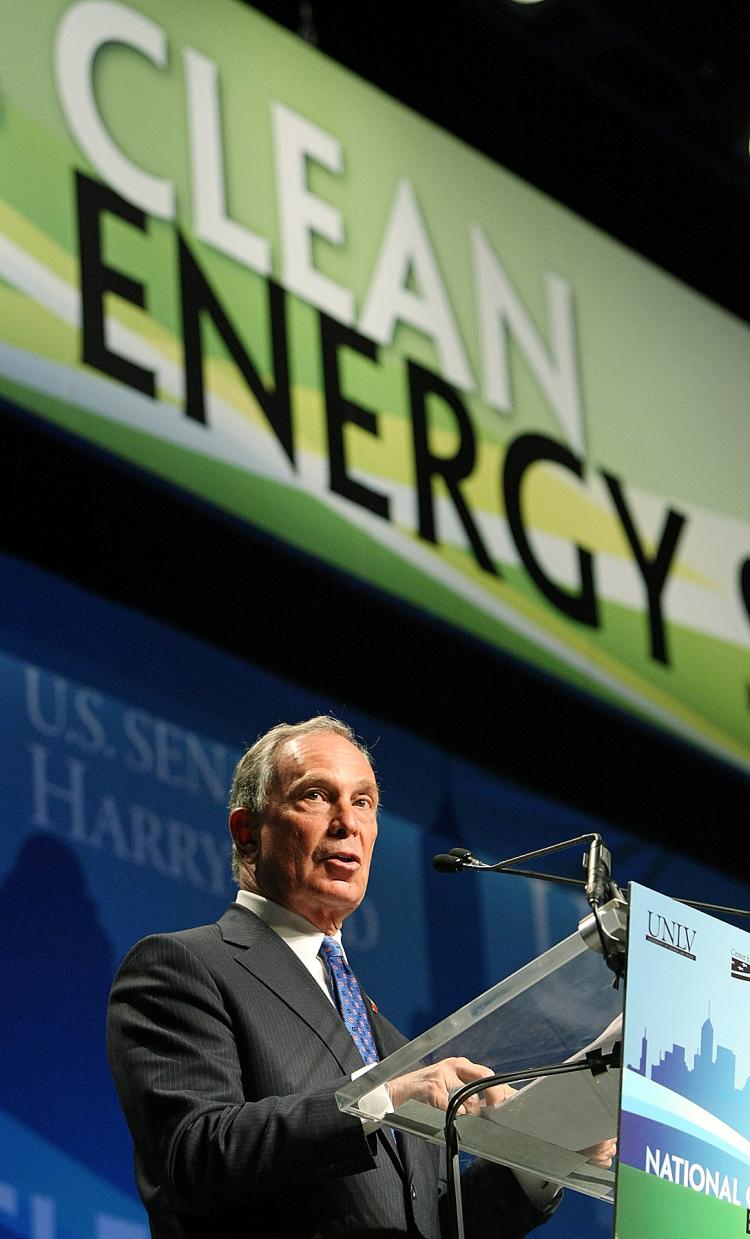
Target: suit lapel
x=264, y=954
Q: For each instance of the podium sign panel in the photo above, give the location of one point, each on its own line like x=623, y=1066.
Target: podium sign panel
x=684, y=1153
x=551, y=1010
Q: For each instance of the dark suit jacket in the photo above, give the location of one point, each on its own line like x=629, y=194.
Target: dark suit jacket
x=227, y=1056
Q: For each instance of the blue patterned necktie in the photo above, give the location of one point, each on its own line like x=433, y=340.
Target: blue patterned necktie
x=350, y=1001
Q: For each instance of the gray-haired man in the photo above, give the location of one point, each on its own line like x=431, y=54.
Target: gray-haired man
x=227, y=1045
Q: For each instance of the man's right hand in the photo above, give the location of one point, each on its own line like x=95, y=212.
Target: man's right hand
x=434, y=1085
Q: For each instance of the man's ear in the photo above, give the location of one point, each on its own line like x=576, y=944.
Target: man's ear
x=244, y=829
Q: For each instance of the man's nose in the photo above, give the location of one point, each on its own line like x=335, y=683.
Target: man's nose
x=343, y=818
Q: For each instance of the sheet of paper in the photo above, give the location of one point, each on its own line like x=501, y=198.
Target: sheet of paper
x=572, y=1111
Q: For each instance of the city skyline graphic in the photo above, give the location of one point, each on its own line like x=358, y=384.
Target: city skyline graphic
x=710, y=1081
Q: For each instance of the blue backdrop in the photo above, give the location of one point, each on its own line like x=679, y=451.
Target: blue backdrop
x=120, y=735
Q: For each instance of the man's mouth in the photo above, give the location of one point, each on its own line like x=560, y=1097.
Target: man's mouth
x=350, y=859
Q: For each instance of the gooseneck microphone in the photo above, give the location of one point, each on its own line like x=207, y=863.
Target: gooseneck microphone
x=457, y=859
x=598, y=864
x=444, y=863
x=462, y=854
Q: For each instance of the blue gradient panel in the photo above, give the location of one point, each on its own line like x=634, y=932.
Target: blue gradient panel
x=119, y=738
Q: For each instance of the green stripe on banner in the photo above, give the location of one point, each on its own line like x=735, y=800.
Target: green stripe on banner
x=651, y=1208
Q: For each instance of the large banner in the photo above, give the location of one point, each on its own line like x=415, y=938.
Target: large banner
x=227, y=260
x=685, y=1125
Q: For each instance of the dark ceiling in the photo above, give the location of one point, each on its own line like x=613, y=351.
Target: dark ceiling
x=635, y=113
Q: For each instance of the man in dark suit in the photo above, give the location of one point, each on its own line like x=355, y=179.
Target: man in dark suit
x=227, y=1044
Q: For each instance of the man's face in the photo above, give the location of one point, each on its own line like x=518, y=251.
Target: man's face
x=314, y=842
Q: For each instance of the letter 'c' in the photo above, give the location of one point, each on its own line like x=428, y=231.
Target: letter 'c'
x=85, y=28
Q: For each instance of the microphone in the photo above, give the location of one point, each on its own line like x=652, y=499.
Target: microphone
x=456, y=859
x=598, y=864
x=445, y=863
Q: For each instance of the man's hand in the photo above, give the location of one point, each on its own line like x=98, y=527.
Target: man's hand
x=434, y=1086
x=601, y=1154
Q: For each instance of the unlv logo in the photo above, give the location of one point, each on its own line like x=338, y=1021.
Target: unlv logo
x=672, y=935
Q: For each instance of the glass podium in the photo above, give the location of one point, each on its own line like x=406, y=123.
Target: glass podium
x=556, y=1008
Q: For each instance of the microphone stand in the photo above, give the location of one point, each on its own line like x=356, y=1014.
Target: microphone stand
x=595, y=1062
x=459, y=859
x=605, y=928
x=598, y=887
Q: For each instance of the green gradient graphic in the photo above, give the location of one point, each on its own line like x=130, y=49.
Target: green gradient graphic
x=661, y=374
x=650, y=1208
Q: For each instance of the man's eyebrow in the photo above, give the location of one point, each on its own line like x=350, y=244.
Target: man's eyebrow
x=367, y=785
x=311, y=778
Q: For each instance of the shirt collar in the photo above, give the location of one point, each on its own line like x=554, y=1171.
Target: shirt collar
x=301, y=935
